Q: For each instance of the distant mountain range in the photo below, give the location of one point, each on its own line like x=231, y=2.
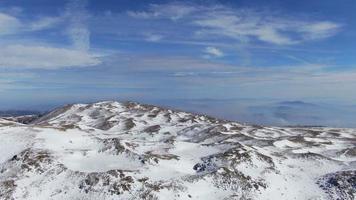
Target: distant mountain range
x=289, y=113
x=15, y=113
x=270, y=112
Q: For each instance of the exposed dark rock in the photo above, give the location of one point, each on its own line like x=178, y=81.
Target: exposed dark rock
x=152, y=129
x=339, y=185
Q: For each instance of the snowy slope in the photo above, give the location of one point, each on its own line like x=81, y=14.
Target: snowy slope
x=111, y=150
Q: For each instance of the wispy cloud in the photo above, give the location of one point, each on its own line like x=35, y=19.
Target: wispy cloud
x=153, y=37
x=41, y=57
x=10, y=80
x=77, y=30
x=213, y=51
x=49, y=56
x=173, y=11
x=242, y=24
x=8, y=24
x=166, y=64
x=12, y=10
x=300, y=80
x=320, y=30
x=44, y=23
x=248, y=24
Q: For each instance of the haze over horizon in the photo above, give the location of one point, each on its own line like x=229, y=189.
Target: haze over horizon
x=274, y=63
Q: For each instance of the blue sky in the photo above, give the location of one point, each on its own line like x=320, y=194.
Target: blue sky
x=55, y=52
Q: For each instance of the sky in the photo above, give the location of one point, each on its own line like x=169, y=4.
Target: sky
x=244, y=60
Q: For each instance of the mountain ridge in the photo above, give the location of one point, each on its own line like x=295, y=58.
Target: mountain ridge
x=111, y=150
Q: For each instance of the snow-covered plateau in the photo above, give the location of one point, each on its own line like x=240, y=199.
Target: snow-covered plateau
x=112, y=150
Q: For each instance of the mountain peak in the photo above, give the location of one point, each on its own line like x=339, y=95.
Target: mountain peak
x=111, y=114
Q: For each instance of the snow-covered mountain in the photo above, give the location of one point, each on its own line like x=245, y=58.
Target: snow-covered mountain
x=111, y=150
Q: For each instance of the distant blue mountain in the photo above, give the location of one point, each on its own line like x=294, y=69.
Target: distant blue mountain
x=271, y=112
x=296, y=103
x=16, y=113
x=292, y=113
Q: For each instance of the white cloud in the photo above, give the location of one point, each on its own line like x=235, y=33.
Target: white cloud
x=150, y=63
x=271, y=35
x=12, y=25
x=40, y=57
x=47, y=56
x=12, y=10
x=291, y=81
x=320, y=30
x=244, y=25
x=44, y=23
x=173, y=11
x=78, y=30
x=8, y=24
x=153, y=37
x=213, y=51
x=141, y=15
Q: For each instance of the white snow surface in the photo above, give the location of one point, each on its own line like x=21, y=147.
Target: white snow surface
x=112, y=150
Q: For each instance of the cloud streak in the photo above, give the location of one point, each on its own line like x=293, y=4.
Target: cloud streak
x=173, y=11
x=44, y=23
x=48, y=56
x=242, y=24
x=41, y=57
x=77, y=30
x=247, y=25
x=153, y=37
x=213, y=51
x=8, y=24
